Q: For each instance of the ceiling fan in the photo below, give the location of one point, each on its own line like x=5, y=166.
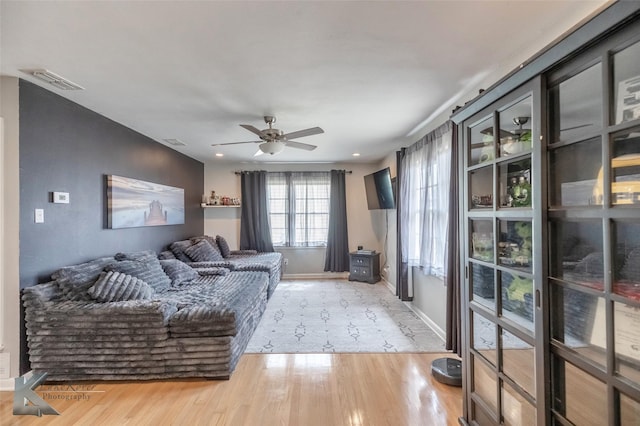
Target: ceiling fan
x=272, y=140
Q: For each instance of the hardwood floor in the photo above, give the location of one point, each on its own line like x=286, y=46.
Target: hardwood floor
x=273, y=389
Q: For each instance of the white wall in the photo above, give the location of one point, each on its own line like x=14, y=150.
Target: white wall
x=9, y=228
x=366, y=228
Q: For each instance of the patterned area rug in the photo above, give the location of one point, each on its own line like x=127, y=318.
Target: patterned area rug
x=340, y=316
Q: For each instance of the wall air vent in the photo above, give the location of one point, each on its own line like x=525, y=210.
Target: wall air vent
x=175, y=142
x=54, y=79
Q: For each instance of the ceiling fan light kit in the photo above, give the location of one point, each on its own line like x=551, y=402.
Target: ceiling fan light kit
x=273, y=141
x=271, y=147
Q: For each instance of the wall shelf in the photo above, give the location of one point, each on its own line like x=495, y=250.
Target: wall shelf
x=217, y=207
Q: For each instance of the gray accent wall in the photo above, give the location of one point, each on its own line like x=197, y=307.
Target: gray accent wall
x=68, y=148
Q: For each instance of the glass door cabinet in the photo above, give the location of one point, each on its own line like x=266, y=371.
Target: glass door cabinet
x=550, y=257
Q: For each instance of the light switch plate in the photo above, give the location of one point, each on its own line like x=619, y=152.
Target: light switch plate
x=39, y=215
x=61, y=197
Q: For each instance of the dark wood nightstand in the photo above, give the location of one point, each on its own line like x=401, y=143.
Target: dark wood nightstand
x=364, y=267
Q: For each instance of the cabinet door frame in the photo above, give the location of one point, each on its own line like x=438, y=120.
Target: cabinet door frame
x=532, y=90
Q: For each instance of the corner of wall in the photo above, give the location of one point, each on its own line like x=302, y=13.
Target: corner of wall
x=9, y=226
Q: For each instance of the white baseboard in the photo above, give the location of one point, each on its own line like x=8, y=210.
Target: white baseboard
x=432, y=325
x=317, y=276
x=7, y=385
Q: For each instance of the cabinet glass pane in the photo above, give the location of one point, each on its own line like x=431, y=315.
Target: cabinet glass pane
x=483, y=285
x=481, y=188
x=576, y=252
x=629, y=411
x=515, y=128
x=482, y=145
x=515, y=184
x=517, y=299
x=515, y=248
x=625, y=169
x=518, y=361
x=484, y=383
x=580, y=397
x=627, y=260
x=482, y=240
x=484, y=337
x=480, y=416
x=577, y=104
x=516, y=410
x=576, y=186
x=578, y=320
x=626, y=86
x=627, y=340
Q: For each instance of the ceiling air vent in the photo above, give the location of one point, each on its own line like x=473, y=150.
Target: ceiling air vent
x=175, y=142
x=54, y=79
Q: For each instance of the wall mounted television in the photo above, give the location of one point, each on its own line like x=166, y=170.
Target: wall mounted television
x=380, y=190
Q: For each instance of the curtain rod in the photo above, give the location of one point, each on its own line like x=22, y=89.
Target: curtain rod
x=239, y=172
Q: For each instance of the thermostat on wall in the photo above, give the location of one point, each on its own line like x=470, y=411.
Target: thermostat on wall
x=61, y=197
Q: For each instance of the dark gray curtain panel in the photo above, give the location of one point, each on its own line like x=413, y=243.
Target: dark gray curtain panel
x=255, y=233
x=453, y=319
x=337, y=256
x=402, y=267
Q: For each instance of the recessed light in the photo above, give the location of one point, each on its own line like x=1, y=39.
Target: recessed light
x=356, y=154
x=219, y=154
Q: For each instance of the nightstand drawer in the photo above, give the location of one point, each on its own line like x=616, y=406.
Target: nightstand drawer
x=360, y=271
x=361, y=261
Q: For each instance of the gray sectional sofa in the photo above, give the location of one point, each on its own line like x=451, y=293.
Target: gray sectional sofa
x=137, y=317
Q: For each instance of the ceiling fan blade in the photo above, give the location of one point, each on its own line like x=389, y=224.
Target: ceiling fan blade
x=252, y=129
x=300, y=145
x=258, y=153
x=302, y=133
x=235, y=143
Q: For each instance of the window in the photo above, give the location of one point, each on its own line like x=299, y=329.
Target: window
x=299, y=208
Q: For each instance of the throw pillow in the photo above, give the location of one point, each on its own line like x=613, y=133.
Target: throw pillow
x=167, y=254
x=178, y=248
x=202, y=252
x=147, y=269
x=211, y=240
x=74, y=280
x=137, y=255
x=224, y=247
x=117, y=287
x=178, y=271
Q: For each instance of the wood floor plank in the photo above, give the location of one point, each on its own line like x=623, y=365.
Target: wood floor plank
x=270, y=389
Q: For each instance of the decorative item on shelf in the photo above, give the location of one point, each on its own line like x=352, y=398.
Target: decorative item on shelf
x=522, y=193
x=482, y=246
x=482, y=200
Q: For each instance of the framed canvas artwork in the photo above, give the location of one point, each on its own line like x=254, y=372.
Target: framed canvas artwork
x=134, y=203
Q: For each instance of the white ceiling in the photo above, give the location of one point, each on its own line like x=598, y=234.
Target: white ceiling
x=371, y=74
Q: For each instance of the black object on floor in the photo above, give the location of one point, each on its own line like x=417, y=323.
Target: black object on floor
x=447, y=371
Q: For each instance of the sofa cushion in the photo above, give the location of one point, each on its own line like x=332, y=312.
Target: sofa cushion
x=178, y=248
x=117, y=287
x=223, y=246
x=178, y=271
x=146, y=268
x=202, y=252
x=74, y=280
x=212, y=271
